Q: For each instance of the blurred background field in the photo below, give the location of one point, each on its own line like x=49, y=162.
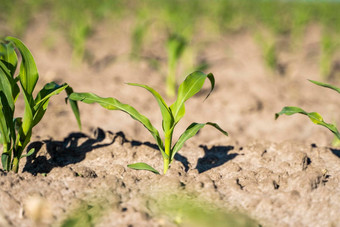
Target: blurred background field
x=274, y=25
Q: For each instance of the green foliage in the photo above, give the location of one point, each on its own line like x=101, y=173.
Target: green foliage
x=268, y=49
x=139, y=33
x=328, y=49
x=15, y=133
x=78, y=19
x=171, y=115
x=17, y=14
x=186, y=210
x=179, y=208
x=175, y=48
x=315, y=117
x=142, y=166
x=85, y=215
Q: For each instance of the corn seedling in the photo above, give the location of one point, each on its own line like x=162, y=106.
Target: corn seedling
x=171, y=116
x=15, y=132
x=328, y=48
x=175, y=48
x=268, y=49
x=139, y=33
x=315, y=117
x=187, y=210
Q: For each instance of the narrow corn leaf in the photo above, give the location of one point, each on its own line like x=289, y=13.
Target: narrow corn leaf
x=6, y=86
x=7, y=108
x=28, y=153
x=43, y=98
x=7, y=103
x=313, y=116
x=28, y=70
x=190, y=132
x=9, y=57
x=142, y=166
x=326, y=85
x=191, y=85
x=48, y=90
x=27, y=121
x=4, y=130
x=22, y=141
x=74, y=106
x=114, y=104
x=168, y=119
x=13, y=83
x=175, y=46
x=5, y=161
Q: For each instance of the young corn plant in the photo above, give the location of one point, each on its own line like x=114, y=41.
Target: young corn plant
x=171, y=116
x=315, y=117
x=15, y=132
x=175, y=48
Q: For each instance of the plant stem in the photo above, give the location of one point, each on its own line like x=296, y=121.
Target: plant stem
x=171, y=81
x=167, y=147
x=6, y=165
x=166, y=162
x=15, y=166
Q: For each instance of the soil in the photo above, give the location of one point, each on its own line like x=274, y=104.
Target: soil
x=279, y=173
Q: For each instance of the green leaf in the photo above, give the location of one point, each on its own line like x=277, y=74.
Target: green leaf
x=191, y=85
x=6, y=86
x=142, y=166
x=13, y=83
x=6, y=109
x=28, y=153
x=9, y=57
x=168, y=119
x=175, y=45
x=28, y=70
x=43, y=98
x=48, y=90
x=114, y=104
x=74, y=106
x=27, y=121
x=5, y=161
x=326, y=85
x=190, y=132
x=6, y=98
x=316, y=118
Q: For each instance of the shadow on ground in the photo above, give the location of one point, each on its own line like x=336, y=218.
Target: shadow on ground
x=71, y=150
x=214, y=157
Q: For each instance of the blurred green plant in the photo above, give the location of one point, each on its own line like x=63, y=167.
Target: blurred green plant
x=184, y=210
x=85, y=215
x=328, y=48
x=139, y=33
x=175, y=47
x=268, y=48
x=283, y=19
x=17, y=14
x=15, y=132
x=171, y=116
x=315, y=117
x=179, y=208
x=78, y=19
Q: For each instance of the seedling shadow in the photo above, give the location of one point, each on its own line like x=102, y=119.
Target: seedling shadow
x=135, y=143
x=71, y=150
x=336, y=152
x=183, y=160
x=214, y=157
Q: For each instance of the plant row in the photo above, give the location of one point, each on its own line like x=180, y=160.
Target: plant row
x=78, y=20
x=16, y=132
